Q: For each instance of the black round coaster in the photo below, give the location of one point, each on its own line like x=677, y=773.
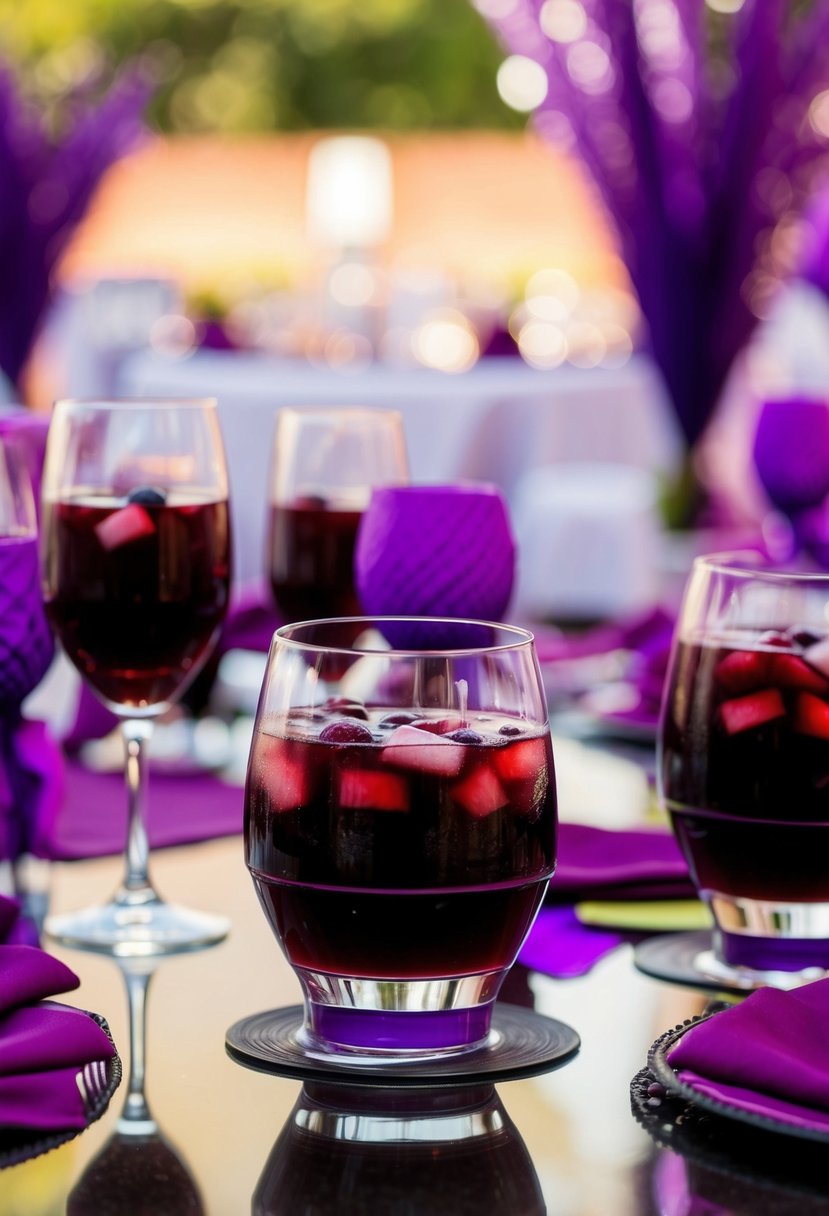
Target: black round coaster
x=688, y=958
x=524, y=1043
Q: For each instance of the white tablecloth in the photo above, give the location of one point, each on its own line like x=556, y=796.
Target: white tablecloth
x=493, y=423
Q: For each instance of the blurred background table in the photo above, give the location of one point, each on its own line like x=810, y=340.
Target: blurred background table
x=496, y=422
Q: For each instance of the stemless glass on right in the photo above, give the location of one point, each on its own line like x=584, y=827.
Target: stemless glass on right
x=400, y=822
x=744, y=761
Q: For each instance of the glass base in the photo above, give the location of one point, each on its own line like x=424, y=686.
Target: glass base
x=134, y=927
x=770, y=936
x=373, y=1021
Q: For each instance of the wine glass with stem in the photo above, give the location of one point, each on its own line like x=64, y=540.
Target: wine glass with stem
x=135, y=564
x=326, y=461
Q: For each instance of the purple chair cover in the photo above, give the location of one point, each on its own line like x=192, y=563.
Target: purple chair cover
x=767, y=1056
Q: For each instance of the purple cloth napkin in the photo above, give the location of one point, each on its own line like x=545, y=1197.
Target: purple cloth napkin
x=181, y=809
x=767, y=1056
x=44, y=1045
x=600, y=863
x=561, y=946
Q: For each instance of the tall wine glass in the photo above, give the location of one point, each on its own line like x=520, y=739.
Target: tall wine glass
x=135, y=557
x=326, y=461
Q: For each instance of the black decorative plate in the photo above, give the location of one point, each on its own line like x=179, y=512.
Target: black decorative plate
x=723, y=1139
x=523, y=1044
x=100, y=1081
x=688, y=958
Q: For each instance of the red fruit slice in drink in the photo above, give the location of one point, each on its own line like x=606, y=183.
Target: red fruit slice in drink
x=124, y=526
x=518, y=761
x=743, y=670
x=751, y=711
x=285, y=780
x=811, y=716
x=480, y=793
x=407, y=748
x=817, y=656
x=439, y=726
x=366, y=789
x=789, y=671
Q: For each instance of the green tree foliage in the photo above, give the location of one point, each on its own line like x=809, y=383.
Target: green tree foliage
x=258, y=65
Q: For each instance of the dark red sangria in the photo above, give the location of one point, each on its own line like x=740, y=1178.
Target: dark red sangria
x=135, y=553
x=399, y=851
x=744, y=772
x=136, y=588
x=311, y=559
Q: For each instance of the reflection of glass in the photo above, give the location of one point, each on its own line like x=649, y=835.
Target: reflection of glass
x=138, y=1172
x=400, y=825
x=425, y=1152
x=136, y=567
x=744, y=762
x=325, y=464
x=739, y=1186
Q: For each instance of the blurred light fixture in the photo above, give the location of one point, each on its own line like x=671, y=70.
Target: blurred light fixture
x=447, y=342
x=349, y=192
x=522, y=83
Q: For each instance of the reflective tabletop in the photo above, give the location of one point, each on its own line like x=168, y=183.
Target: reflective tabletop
x=191, y=1130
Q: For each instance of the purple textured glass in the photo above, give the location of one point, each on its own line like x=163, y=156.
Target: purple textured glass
x=26, y=645
x=400, y=1031
x=435, y=550
x=773, y=953
x=791, y=451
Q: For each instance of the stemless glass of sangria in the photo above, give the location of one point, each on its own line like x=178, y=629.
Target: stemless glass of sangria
x=400, y=826
x=326, y=461
x=135, y=558
x=744, y=764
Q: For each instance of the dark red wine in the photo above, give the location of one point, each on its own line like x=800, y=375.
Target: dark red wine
x=311, y=559
x=407, y=848
x=136, y=590
x=745, y=766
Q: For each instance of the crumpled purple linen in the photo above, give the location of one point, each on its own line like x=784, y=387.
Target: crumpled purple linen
x=44, y=1045
x=561, y=946
x=767, y=1056
x=604, y=863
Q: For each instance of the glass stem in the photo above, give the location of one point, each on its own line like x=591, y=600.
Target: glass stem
x=136, y=1118
x=136, y=886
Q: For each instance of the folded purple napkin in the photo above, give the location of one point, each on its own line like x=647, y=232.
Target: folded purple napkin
x=767, y=1056
x=52, y=1056
x=635, y=864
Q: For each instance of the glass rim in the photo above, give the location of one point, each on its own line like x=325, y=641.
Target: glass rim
x=753, y=567
x=522, y=637
x=104, y=403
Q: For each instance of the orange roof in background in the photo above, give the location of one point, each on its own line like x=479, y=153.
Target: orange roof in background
x=213, y=212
